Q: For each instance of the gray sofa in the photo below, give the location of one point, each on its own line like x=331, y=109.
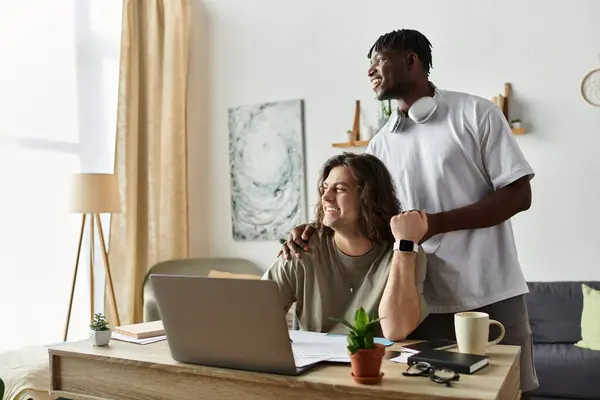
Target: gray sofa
x=564, y=371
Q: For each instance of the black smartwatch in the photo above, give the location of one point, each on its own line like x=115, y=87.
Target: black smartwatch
x=406, y=246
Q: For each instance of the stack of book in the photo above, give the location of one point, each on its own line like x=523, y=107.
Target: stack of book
x=143, y=333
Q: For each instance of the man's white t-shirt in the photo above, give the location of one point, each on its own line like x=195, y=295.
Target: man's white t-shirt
x=462, y=154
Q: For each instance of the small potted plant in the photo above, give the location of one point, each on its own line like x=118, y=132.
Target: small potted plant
x=515, y=123
x=385, y=112
x=366, y=356
x=350, y=136
x=1, y=389
x=100, y=334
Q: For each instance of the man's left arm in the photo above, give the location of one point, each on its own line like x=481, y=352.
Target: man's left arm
x=509, y=173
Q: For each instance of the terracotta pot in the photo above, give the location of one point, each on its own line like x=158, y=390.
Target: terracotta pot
x=366, y=363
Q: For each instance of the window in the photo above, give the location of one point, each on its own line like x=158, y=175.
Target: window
x=59, y=80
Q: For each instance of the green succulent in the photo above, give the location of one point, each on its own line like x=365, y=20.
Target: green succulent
x=362, y=333
x=99, y=323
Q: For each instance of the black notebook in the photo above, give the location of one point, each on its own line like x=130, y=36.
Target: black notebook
x=435, y=344
x=457, y=362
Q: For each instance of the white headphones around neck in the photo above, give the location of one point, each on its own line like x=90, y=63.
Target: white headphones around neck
x=420, y=112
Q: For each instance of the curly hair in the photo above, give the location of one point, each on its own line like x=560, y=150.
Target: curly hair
x=377, y=195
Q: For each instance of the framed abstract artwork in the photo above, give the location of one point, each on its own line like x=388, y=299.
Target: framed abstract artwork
x=266, y=154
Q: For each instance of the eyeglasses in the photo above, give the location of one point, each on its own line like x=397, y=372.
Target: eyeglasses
x=442, y=375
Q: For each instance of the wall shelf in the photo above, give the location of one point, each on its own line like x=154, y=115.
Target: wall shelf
x=358, y=143
x=502, y=102
x=355, y=132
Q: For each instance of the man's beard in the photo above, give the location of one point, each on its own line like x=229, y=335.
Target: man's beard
x=397, y=92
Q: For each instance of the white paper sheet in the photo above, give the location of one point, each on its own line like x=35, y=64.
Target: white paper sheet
x=124, y=338
x=312, y=347
x=318, y=350
x=402, y=358
x=306, y=361
x=304, y=336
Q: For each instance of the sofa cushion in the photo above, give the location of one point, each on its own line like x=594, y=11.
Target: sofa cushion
x=590, y=319
x=567, y=370
x=555, y=310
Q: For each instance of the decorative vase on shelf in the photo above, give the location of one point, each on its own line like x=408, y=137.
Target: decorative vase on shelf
x=350, y=136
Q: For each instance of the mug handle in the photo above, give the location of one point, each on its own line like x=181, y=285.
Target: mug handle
x=499, y=338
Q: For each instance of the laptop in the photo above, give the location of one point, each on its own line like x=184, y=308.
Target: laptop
x=227, y=323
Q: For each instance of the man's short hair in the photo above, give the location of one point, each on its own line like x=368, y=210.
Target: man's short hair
x=406, y=40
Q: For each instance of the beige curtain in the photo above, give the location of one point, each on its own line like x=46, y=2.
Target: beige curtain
x=151, y=155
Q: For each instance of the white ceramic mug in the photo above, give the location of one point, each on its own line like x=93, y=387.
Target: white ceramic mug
x=472, y=331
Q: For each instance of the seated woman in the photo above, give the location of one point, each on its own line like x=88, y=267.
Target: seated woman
x=364, y=254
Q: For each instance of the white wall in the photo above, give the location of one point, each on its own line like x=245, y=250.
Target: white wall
x=267, y=50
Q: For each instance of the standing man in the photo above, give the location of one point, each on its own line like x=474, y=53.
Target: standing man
x=453, y=154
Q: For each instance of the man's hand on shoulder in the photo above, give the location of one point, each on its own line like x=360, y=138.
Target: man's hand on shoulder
x=297, y=241
x=433, y=226
x=409, y=225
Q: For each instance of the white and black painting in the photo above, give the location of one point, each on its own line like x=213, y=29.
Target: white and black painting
x=266, y=153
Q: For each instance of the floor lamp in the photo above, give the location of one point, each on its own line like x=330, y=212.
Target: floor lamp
x=92, y=195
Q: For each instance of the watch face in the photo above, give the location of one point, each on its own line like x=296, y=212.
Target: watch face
x=406, y=245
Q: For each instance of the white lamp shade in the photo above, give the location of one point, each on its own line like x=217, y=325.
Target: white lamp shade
x=95, y=193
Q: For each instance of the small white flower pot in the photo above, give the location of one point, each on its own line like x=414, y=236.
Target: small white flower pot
x=100, y=338
x=516, y=125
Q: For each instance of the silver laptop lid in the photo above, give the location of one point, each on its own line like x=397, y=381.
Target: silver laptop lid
x=230, y=323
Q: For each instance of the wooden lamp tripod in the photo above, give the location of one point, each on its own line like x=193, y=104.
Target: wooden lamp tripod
x=94, y=194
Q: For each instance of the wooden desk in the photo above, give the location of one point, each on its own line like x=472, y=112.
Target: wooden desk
x=127, y=371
